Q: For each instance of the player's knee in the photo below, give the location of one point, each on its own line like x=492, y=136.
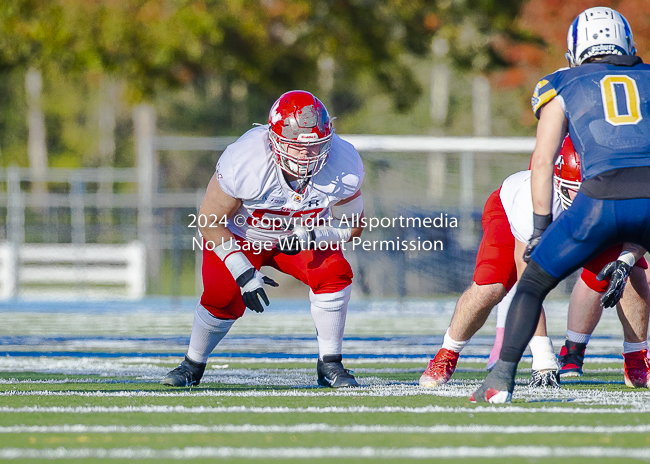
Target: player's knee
x=331, y=301
x=233, y=309
x=490, y=291
x=483, y=295
x=536, y=281
x=334, y=277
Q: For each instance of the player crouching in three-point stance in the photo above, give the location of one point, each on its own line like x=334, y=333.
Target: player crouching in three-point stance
x=603, y=102
x=294, y=171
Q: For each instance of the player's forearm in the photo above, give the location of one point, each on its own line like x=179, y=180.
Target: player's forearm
x=551, y=131
x=520, y=264
x=346, y=214
x=217, y=235
x=214, y=229
x=356, y=232
x=542, y=190
x=215, y=207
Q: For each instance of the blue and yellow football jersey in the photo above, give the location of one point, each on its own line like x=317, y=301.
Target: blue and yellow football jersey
x=608, y=108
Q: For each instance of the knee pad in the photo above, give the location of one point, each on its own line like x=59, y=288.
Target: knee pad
x=333, y=278
x=536, y=281
x=331, y=301
x=209, y=321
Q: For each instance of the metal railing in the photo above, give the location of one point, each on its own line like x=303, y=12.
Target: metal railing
x=73, y=197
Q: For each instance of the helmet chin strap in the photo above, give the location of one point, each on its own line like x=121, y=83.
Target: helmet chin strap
x=301, y=182
x=302, y=185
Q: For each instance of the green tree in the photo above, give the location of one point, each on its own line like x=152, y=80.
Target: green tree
x=274, y=44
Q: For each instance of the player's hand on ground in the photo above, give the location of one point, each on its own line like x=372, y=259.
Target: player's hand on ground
x=251, y=283
x=617, y=272
x=300, y=240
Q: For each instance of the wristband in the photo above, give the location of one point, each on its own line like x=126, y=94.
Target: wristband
x=327, y=234
x=627, y=257
x=226, y=248
x=236, y=261
x=541, y=223
x=331, y=234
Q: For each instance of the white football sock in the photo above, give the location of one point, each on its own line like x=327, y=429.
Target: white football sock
x=632, y=347
x=328, y=310
x=544, y=358
x=207, y=332
x=577, y=337
x=449, y=343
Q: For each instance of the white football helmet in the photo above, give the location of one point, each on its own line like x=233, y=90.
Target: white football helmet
x=598, y=31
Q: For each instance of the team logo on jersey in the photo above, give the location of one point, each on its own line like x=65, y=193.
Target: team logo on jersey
x=534, y=101
x=297, y=198
x=274, y=200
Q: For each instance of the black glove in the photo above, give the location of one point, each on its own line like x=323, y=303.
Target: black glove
x=540, y=224
x=302, y=239
x=251, y=283
x=618, y=272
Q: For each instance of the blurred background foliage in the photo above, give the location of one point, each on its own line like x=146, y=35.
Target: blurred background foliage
x=74, y=73
x=214, y=67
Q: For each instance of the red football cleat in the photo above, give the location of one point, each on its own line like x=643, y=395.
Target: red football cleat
x=637, y=369
x=440, y=369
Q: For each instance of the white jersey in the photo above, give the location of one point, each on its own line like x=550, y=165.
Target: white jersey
x=246, y=171
x=517, y=200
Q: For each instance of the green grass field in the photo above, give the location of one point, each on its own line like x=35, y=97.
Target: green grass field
x=257, y=410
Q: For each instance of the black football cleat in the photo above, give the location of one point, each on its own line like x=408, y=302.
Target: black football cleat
x=572, y=357
x=331, y=373
x=188, y=374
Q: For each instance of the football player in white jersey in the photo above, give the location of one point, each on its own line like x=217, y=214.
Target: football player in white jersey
x=585, y=308
x=291, y=194
x=506, y=225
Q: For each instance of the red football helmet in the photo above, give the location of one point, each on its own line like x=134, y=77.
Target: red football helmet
x=567, y=174
x=299, y=124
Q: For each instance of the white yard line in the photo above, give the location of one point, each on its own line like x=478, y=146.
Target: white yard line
x=225, y=374
x=164, y=409
x=457, y=389
x=325, y=428
x=367, y=452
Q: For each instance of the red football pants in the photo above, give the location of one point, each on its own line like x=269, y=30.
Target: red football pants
x=323, y=271
x=495, y=262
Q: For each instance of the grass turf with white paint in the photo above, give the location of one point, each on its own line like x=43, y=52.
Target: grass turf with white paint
x=244, y=407
x=99, y=400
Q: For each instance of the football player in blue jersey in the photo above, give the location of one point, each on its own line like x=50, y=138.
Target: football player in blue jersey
x=603, y=101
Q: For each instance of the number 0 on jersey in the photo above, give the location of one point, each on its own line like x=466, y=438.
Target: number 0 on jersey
x=620, y=100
